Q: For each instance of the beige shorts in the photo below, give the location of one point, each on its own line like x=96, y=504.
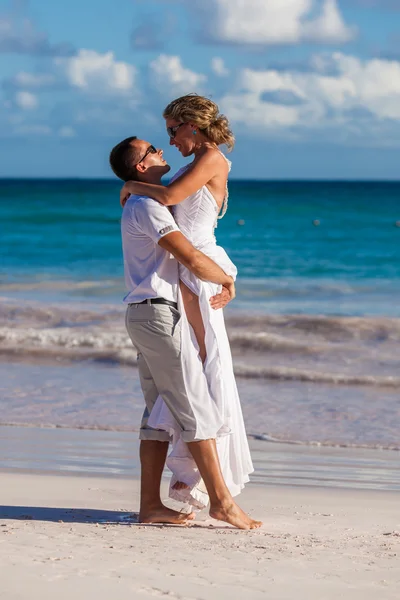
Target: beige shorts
x=155, y=332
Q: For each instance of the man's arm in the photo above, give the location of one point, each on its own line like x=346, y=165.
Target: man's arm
x=158, y=224
x=198, y=263
x=198, y=174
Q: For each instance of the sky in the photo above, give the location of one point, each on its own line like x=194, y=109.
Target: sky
x=311, y=87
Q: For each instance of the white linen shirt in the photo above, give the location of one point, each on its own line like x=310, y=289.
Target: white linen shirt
x=150, y=271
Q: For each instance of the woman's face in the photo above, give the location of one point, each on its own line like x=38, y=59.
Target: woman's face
x=181, y=136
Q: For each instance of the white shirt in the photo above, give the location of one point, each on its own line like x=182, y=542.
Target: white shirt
x=150, y=271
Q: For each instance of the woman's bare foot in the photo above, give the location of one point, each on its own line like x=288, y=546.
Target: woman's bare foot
x=162, y=514
x=179, y=485
x=234, y=515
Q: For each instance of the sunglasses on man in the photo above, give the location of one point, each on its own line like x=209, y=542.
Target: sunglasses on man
x=150, y=150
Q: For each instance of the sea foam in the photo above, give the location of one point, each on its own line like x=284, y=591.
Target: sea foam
x=335, y=350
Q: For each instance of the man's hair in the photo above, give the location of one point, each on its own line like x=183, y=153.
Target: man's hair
x=123, y=159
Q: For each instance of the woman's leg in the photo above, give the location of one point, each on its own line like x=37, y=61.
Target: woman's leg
x=193, y=313
x=222, y=505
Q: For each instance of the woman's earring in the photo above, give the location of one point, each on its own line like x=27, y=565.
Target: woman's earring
x=194, y=132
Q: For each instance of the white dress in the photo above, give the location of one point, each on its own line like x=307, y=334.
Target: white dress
x=196, y=217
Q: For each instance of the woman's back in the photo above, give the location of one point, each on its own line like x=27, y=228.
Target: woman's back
x=197, y=215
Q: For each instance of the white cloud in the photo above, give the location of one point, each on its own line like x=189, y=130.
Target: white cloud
x=67, y=132
x=89, y=71
x=358, y=91
x=32, y=129
x=26, y=100
x=329, y=26
x=32, y=80
x=170, y=77
x=372, y=84
x=273, y=21
x=18, y=34
x=90, y=93
x=95, y=72
x=219, y=68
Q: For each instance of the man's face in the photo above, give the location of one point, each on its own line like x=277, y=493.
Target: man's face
x=150, y=161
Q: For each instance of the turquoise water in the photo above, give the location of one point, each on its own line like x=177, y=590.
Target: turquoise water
x=63, y=237
x=314, y=330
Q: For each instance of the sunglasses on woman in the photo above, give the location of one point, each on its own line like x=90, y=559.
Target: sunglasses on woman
x=150, y=150
x=172, y=130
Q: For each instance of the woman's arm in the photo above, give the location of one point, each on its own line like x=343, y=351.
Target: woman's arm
x=198, y=174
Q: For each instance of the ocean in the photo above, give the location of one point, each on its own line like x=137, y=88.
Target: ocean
x=315, y=327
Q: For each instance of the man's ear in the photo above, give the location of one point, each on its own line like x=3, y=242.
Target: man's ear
x=141, y=168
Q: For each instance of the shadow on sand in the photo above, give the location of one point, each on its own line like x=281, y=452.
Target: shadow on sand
x=92, y=516
x=67, y=515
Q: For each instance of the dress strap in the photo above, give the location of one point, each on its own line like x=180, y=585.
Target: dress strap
x=227, y=159
x=224, y=206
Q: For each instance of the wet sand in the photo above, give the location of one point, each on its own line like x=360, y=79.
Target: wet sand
x=94, y=452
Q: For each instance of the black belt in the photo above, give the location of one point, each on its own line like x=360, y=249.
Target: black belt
x=157, y=301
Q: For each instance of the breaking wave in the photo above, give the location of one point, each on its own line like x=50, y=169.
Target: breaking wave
x=319, y=349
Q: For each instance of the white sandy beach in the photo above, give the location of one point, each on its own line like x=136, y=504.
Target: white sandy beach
x=69, y=537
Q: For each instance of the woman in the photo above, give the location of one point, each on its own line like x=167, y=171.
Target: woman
x=198, y=194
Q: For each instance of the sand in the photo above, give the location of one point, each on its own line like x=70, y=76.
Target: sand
x=68, y=537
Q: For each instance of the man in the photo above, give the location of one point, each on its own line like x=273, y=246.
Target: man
x=149, y=237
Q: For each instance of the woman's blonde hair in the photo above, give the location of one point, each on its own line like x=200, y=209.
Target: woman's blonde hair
x=202, y=111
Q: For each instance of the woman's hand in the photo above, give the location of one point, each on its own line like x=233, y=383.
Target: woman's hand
x=126, y=191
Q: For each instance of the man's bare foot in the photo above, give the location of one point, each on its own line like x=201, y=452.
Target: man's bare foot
x=235, y=516
x=179, y=485
x=162, y=514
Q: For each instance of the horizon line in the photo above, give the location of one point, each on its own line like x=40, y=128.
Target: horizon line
x=233, y=179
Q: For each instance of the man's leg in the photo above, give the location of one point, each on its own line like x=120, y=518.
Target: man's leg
x=153, y=453
x=157, y=334
x=152, y=460
x=222, y=505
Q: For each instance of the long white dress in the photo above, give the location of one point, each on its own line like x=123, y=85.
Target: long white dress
x=197, y=218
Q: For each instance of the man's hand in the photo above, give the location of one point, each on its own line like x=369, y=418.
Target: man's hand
x=125, y=192
x=227, y=294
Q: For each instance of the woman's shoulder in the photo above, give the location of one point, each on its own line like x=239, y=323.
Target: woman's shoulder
x=212, y=155
x=214, y=152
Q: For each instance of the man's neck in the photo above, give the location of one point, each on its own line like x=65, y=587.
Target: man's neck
x=152, y=180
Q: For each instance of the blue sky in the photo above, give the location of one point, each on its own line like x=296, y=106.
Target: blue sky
x=312, y=87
